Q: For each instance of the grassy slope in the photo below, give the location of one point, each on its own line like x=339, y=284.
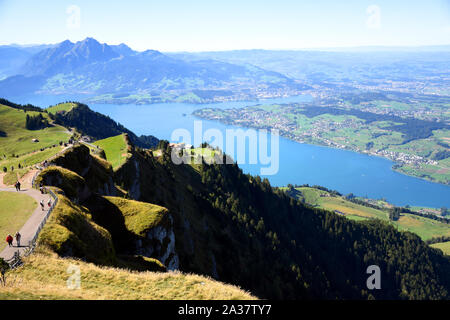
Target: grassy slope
x=18, y=139
x=444, y=246
x=115, y=149
x=44, y=276
x=61, y=107
x=423, y=227
x=68, y=180
x=11, y=177
x=15, y=209
x=320, y=199
x=31, y=158
x=71, y=231
x=139, y=216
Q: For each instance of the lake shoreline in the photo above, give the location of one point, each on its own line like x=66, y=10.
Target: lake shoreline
x=334, y=168
x=345, y=148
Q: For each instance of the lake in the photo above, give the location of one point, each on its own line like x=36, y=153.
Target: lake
x=341, y=170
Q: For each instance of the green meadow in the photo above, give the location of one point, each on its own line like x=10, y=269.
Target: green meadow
x=424, y=227
x=16, y=142
x=66, y=107
x=116, y=150
x=444, y=246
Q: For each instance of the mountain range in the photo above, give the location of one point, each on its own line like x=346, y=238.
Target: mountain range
x=91, y=68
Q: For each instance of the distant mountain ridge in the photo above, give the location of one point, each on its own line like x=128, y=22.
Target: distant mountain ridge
x=67, y=56
x=92, y=68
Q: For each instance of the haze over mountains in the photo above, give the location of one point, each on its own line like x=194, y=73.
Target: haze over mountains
x=351, y=64
x=117, y=74
x=89, y=67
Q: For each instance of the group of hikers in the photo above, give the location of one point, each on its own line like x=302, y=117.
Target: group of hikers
x=49, y=203
x=42, y=188
x=9, y=239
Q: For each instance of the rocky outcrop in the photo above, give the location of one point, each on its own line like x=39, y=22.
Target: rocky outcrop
x=159, y=243
x=135, y=188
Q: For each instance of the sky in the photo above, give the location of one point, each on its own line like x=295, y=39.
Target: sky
x=210, y=25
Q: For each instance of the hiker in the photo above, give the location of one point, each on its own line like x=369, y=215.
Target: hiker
x=42, y=205
x=18, y=236
x=49, y=203
x=42, y=188
x=9, y=239
x=18, y=186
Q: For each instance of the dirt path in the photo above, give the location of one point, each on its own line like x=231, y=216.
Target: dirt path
x=30, y=227
x=27, y=179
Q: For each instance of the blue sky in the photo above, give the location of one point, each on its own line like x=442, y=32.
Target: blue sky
x=199, y=25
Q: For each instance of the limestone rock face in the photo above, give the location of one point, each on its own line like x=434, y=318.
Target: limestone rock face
x=159, y=243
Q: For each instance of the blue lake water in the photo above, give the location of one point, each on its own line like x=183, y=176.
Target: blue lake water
x=345, y=171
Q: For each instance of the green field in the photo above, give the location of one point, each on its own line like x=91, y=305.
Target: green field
x=16, y=142
x=61, y=107
x=323, y=200
x=15, y=209
x=424, y=227
x=31, y=158
x=444, y=246
x=115, y=148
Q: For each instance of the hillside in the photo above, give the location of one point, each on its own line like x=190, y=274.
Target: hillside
x=76, y=231
x=217, y=205
x=38, y=280
x=213, y=220
x=425, y=226
x=16, y=139
x=95, y=125
x=116, y=149
x=28, y=136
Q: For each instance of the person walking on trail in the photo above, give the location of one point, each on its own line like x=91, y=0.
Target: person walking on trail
x=18, y=236
x=9, y=239
x=42, y=205
x=49, y=203
x=42, y=188
x=18, y=186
